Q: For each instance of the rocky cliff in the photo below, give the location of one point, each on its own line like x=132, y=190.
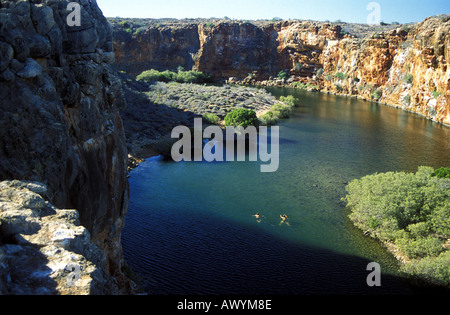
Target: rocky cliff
x=405, y=66
x=46, y=250
x=59, y=98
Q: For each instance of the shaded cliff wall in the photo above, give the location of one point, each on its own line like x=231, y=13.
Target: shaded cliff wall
x=405, y=67
x=59, y=99
x=235, y=50
x=158, y=48
x=223, y=50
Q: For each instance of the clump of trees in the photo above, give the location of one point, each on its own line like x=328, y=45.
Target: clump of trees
x=180, y=76
x=241, y=117
x=410, y=210
x=282, y=75
x=211, y=119
x=270, y=118
x=280, y=110
x=443, y=172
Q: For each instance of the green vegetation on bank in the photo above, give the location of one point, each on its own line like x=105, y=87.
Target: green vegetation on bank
x=411, y=211
x=443, y=172
x=241, y=117
x=281, y=110
x=169, y=76
x=211, y=119
x=213, y=103
x=209, y=100
x=305, y=86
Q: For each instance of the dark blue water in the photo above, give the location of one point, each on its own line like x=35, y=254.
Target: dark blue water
x=190, y=227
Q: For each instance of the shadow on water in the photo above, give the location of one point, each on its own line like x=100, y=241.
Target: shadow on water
x=190, y=230
x=196, y=255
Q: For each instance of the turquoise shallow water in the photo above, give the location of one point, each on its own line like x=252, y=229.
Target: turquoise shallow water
x=190, y=227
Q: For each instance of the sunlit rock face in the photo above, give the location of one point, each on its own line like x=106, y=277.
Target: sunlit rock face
x=45, y=250
x=60, y=98
x=405, y=66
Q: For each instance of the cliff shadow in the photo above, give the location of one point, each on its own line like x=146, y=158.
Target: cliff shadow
x=146, y=122
x=208, y=255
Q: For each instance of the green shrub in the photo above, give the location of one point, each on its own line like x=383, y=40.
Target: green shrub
x=155, y=75
x=443, y=172
x=140, y=30
x=436, y=94
x=169, y=76
x=420, y=229
x=376, y=95
x=192, y=77
x=281, y=110
x=341, y=75
x=409, y=78
x=241, y=117
x=407, y=100
x=434, y=269
x=282, y=75
x=270, y=118
x=420, y=247
x=299, y=85
x=410, y=209
x=289, y=100
x=148, y=76
x=211, y=119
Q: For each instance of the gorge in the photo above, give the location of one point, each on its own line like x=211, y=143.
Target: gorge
x=64, y=149
x=402, y=65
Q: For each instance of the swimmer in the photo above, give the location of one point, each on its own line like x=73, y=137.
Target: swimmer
x=284, y=220
x=257, y=215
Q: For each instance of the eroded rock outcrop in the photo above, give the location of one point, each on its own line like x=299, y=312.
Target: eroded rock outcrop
x=45, y=250
x=59, y=99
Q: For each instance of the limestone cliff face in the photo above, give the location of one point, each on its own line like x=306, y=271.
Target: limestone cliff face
x=405, y=67
x=59, y=99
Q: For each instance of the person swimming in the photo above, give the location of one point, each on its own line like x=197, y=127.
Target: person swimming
x=257, y=216
x=284, y=220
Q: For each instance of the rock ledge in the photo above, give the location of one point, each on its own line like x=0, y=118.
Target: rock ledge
x=45, y=250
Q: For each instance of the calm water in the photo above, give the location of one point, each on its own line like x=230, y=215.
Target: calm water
x=190, y=227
